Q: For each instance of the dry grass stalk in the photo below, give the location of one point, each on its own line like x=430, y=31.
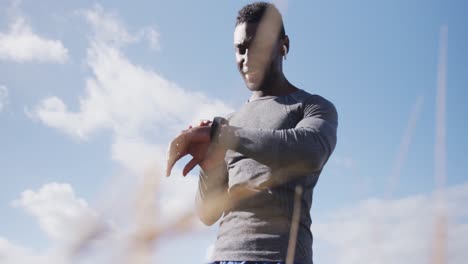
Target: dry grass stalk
x=142, y=239
x=440, y=235
x=294, y=226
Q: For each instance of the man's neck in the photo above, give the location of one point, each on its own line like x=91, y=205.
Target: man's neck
x=277, y=86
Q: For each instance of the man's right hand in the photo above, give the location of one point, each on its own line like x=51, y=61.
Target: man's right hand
x=207, y=155
x=196, y=142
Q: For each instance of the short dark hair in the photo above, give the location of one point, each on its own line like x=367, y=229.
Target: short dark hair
x=253, y=13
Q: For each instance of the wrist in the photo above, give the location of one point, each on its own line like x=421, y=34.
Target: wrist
x=216, y=125
x=210, y=168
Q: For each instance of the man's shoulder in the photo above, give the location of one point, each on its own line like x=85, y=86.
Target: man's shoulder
x=229, y=116
x=308, y=99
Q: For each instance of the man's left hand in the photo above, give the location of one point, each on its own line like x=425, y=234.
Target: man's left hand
x=196, y=142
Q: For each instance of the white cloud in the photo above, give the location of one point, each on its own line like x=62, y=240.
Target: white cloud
x=107, y=27
x=140, y=107
x=56, y=208
x=392, y=231
x=55, y=112
x=21, y=44
x=152, y=37
x=79, y=234
x=110, y=29
x=11, y=253
x=136, y=154
x=127, y=99
x=3, y=97
x=177, y=196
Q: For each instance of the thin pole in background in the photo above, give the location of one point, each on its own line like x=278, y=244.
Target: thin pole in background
x=439, y=251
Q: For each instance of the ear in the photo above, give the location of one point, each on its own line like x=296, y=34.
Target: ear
x=285, y=45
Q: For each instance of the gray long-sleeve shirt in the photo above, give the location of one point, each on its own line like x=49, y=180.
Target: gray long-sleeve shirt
x=274, y=144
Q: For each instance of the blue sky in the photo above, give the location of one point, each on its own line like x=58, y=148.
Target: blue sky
x=91, y=92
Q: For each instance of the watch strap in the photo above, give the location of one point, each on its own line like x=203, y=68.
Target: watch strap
x=215, y=128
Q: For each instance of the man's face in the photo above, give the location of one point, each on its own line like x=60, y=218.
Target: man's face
x=256, y=50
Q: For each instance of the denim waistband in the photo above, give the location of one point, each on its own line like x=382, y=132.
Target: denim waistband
x=246, y=262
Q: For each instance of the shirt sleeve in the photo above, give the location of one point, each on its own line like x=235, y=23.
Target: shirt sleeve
x=212, y=186
x=303, y=149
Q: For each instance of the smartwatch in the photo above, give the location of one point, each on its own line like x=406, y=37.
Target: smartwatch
x=215, y=128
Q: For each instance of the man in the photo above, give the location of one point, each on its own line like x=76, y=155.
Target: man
x=252, y=162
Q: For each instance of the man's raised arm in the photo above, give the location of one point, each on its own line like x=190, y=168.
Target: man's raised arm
x=304, y=148
x=211, y=194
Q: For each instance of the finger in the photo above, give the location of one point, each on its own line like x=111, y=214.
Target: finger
x=177, y=149
x=179, y=146
x=205, y=122
x=172, y=160
x=189, y=166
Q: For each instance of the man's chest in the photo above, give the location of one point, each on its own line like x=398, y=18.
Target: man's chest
x=267, y=114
